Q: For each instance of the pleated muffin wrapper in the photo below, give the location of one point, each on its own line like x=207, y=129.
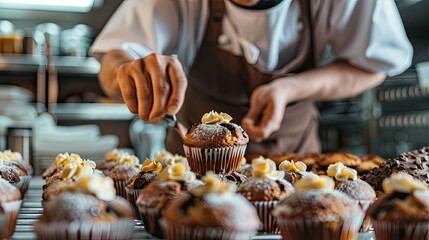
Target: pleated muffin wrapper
x=11, y=210
x=181, y=232
x=132, y=195
x=116, y=230
x=401, y=230
x=219, y=160
x=298, y=229
x=269, y=222
x=120, y=186
x=150, y=218
x=22, y=185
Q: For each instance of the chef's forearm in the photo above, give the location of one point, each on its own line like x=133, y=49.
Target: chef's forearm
x=110, y=63
x=335, y=81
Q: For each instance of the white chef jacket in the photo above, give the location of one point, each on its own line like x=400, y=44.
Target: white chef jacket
x=368, y=34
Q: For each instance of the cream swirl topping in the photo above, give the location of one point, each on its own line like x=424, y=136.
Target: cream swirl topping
x=213, y=117
x=266, y=168
x=151, y=166
x=128, y=159
x=178, y=172
x=99, y=186
x=175, y=159
x=292, y=166
x=311, y=181
x=114, y=155
x=341, y=172
x=213, y=185
x=76, y=170
x=11, y=155
x=63, y=158
x=163, y=156
x=402, y=182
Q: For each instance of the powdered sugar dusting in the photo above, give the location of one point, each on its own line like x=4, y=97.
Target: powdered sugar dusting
x=208, y=131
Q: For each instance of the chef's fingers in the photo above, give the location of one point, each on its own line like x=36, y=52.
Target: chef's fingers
x=251, y=120
x=144, y=90
x=271, y=120
x=160, y=87
x=127, y=87
x=178, y=83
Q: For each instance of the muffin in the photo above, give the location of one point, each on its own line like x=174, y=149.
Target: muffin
x=110, y=159
x=15, y=158
x=414, y=163
x=210, y=211
x=293, y=170
x=317, y=211
x=148, y=173
x=86, y=209
x=10, y=202
x=125, y=168
x=60, y=160
x=347, y=159
x=264, y=190
x=403, y=212
x=71, y=172
x=347, y=181
x=235, y=177
x=215, y=144
x=157, y=195
x=15, y=175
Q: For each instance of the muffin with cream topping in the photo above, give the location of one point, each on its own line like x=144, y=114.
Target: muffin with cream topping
x=71, y=172
x=149, y=172
x=347, y=181
x=210, y=211
x=86, y=209
x=215, y=144
x=110, y=159
x=15, y=158
x=158, y=194
x=403, y=212
x=14, y=174
x=126, y=166
x=264, y=190
x=293, y=170
x=10, y=202
x=317, y=211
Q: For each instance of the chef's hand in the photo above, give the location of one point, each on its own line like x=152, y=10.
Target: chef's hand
x=153, y=86
x=267, y=107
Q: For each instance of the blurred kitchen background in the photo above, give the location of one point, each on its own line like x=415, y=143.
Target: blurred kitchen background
x=50, y=99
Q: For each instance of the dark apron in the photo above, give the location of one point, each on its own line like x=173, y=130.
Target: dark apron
x=221, y=81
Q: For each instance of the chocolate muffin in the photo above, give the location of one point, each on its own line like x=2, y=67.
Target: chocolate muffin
x=403, y=212
x=149, y=172
x=317, y=211
x=157, y=195
x=110, y=159
x=90, y=207
x=293, y=170
x=264, y=190
x=210, y=211
x=414, y=163
x=10, y=202
x=215, y=144
x=235, y=177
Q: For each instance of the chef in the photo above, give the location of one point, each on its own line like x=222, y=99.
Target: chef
x=262, y=61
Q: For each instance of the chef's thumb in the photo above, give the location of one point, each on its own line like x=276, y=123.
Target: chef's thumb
x=252, y=117
x=179, y=84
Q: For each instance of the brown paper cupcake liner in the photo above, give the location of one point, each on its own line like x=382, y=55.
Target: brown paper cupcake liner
x=150, y=218
x=296, y=229
x=11, y=210
x=219, y=160
x=269, y=222
x=181, y=232
x=120, y=188
x=22, y=185
x=401, y=230
x=132, y=195
x=117, y=230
